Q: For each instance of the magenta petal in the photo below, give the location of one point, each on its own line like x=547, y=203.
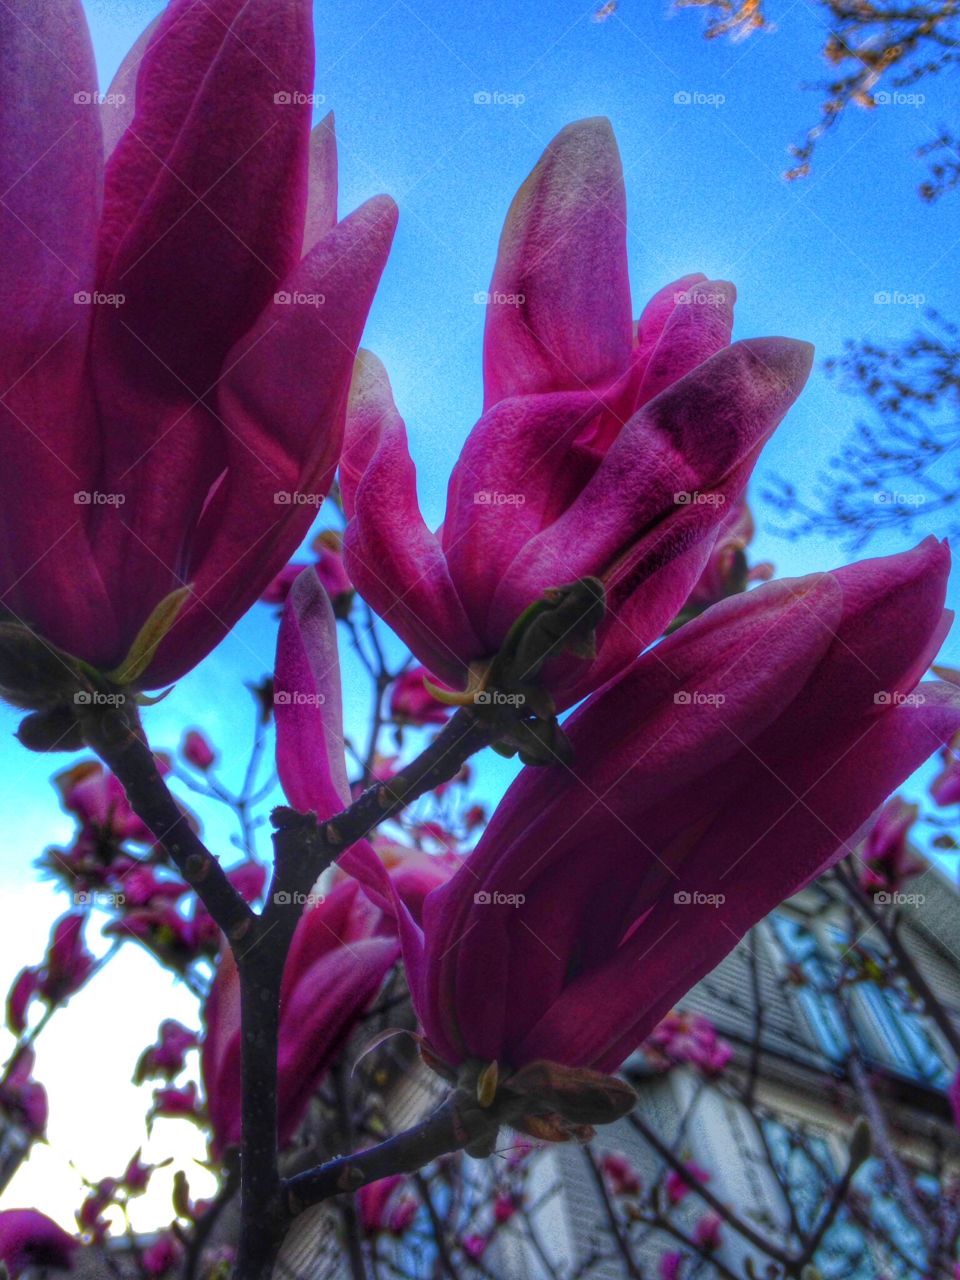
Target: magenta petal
x=281, y=401
x=559, y=313
x=395, y=562
x=50, y=173
x=322, y=189
x=30, y=1239
x=206, y=192
x=690, y=445
x=308, y=704
x=698, y=327
x=117, y=109
x=656, y=314
x=514, y=476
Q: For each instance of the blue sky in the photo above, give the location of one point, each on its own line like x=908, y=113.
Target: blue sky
x=705, y=192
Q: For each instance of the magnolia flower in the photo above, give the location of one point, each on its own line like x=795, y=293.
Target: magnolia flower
x=679, y=1185
x=708, y=1231
x=619, y=1174
x=598, y=895
x=196, y=750
x=687, y=1037
x=167, y=1058
x=330, y=570
x=99, y=803
x=23, y=1099
x=162, y=1255
x=608, y=450
x=411, y=702
x=31, y=1239
x=387, y=1205
x=887, y=858
x=66, y=968
x=181, y=310
x=342, y=950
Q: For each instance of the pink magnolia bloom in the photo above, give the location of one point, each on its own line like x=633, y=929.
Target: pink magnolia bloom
x=619, y=1174
x=99, y=803
x=176, y=1103
x=167, y=1058
x=68, y=963
x=708, y=1232
x=687, y=1037
x=196, y=750
x=411, y=702
x=167, y=397
x=23, y=1099
x=21, y=993
x=163, y=1255
x=679, y=1185
x=66, y=968
x=387, y=1205
x=31, y=1239
x=671, y=1265
x=330, y=570
x=887, y=858
x=535, y=951
x=136, y=1176
x=342, y=951
x=607, y=448
x=474, y=1246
